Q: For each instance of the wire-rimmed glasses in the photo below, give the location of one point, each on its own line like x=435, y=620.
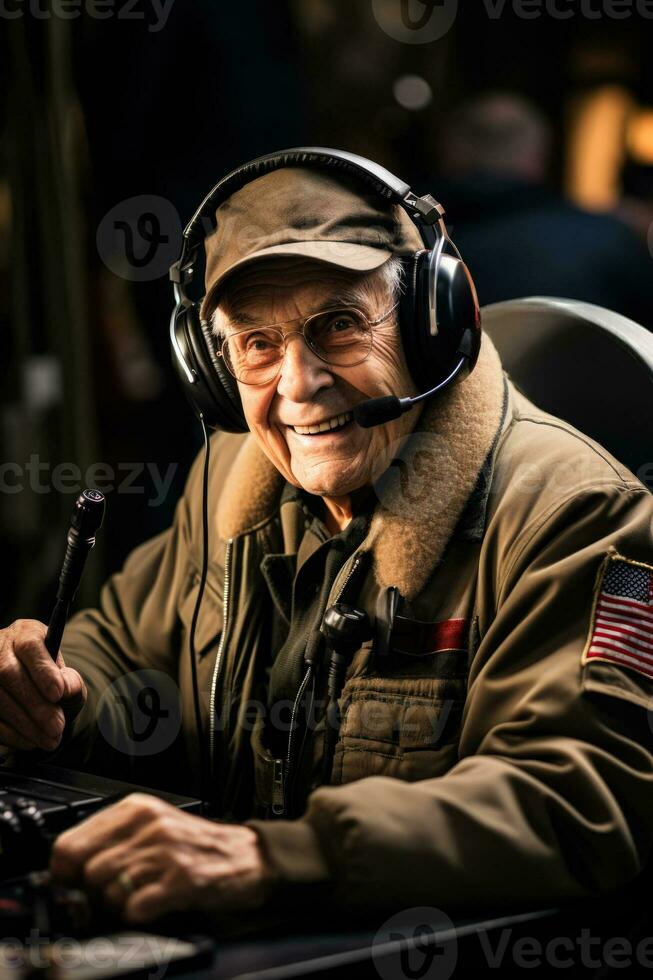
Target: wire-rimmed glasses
x=341, y=337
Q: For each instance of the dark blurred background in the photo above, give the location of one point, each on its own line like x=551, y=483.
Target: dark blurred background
x=533, y=124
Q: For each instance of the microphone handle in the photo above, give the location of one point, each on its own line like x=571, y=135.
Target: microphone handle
x=56, y=627
x=77, y=550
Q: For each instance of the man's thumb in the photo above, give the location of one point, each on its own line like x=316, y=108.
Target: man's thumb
x=74, y=695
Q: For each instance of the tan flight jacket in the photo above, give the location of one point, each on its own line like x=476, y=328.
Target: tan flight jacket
x=542, y=788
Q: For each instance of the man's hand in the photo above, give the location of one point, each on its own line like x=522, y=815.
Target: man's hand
x=37, y=695
x=147, y=858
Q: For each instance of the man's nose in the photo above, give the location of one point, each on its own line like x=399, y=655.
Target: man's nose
x=302, y=374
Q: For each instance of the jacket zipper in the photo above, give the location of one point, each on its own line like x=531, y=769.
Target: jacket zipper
x=356, y=562
x=281, y=775
x=278, y=792
x=415, y=264
x=279, y=800
x=218, y=657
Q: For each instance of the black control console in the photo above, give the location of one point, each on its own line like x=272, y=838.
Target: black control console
x=38, y=803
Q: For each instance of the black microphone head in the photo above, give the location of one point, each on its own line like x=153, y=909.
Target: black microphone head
x=88, y=513
x=345, y=627
x=376, y=411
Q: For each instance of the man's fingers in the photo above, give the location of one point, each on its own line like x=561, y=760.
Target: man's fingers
x=151, y=901
x=16, y=680
x=74, y=686
x=103, y=867
x=30, y=650
x=65, y=864
x=20, y=690
x=75, y=695
x=31, y=685
x=140, y=874
x=73, y=848
x=40, y=727
x=142, y=863
x=10, y=738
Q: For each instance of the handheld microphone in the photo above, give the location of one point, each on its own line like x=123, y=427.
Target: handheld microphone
x=376, y=411
x=87, y=517
x=345, y=629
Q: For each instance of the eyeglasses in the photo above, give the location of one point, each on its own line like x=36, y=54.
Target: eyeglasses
x=340, y=337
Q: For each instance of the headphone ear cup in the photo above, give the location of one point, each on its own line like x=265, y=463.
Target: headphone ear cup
x=432, y=358
x=227, y=384
x=213, y=392
x=413, y=319
x=458, y=314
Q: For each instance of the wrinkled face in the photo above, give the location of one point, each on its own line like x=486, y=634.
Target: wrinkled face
x=307, y=391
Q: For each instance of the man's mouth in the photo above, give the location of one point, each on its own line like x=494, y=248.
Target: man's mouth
x=333, y=424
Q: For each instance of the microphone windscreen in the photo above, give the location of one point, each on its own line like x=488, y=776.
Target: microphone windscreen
x=376, y=411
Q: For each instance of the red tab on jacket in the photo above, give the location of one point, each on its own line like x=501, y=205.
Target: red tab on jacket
x=418, y=639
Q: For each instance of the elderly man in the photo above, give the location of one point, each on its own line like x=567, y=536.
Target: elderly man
x=493, y=746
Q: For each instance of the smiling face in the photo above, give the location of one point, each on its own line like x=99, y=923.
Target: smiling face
x=307, y=392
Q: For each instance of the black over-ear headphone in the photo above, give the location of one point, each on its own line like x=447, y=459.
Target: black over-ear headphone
x=438, y=314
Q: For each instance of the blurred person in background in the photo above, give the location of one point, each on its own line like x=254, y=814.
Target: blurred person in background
x=519, y=235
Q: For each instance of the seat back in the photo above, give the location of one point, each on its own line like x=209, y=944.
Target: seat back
x=585, y=364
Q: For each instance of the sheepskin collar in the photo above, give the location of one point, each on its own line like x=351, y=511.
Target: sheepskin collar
x=421, y=499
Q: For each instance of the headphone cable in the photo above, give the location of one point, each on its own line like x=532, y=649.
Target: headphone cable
x=204, y=775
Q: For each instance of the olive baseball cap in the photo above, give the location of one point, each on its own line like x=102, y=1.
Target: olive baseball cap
x=309, y=214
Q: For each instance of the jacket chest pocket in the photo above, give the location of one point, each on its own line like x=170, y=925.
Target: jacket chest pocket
x=402, y=727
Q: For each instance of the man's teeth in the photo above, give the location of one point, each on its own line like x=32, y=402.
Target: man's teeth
x=333, y=423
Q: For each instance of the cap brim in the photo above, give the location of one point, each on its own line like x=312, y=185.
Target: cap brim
x=345, y=255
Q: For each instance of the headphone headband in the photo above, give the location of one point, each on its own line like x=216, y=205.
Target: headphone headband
x=423, y=210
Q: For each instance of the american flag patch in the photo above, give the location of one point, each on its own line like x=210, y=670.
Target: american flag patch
x=622, y=621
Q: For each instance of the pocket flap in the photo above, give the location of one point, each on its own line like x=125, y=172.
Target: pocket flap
x=406, y=721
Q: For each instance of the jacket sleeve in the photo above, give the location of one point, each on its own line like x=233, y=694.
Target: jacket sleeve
x=551, y=796
x=130, y=649
x=134, y=628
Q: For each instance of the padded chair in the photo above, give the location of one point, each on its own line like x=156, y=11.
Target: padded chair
x=585, y=364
